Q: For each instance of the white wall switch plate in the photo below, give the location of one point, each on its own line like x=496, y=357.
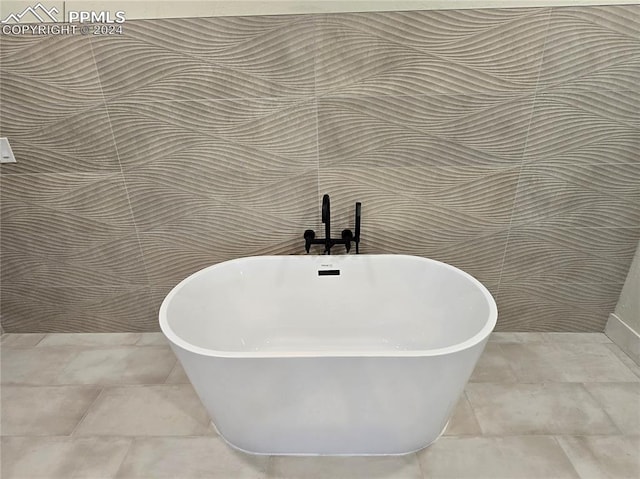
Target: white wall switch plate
x=6, y=155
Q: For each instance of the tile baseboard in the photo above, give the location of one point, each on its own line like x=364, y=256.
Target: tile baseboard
x=624, y=337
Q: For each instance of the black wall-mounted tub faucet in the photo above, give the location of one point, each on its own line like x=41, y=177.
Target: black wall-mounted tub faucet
x=347, y=237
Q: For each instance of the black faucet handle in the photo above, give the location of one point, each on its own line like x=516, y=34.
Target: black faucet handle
x=347, y=237
x=309, y=236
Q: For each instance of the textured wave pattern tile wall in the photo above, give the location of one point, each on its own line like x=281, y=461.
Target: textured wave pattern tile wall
x=594, y=48
x=600, y=195
x=52, y=106
x=417, y=52
x=209, y=58
x=577, y=210
x=100, y=309
x=76, y=230
x=556, y=306
x=464, y=130
x=248, y=133
x=581, y=255
x=502, y=141
x=598, y=126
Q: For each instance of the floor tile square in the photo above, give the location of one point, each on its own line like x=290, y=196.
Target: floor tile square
x=504, y=337
x=621, y=401
x=44, y=411
x=113, y=366
x=170, y=410
x=16, y=340
x=323, y=467
x=62, y=457
x=33, y=366
x=463, y=421
x=554, y=408
x=493, y=366
x=577, y=338
x=152, y=339
x=565, y=362
x=600, y=457
x=190, y=458
x=524, y=457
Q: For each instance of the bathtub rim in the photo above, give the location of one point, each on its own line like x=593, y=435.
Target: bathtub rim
x=480, y=336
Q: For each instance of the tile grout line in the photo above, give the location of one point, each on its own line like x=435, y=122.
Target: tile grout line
x=86, y=413
x=473, y=411
x=620, y=361
x=269, y=468
x=46, y=335
x=524, y=150
x=625, y=359
x=554, y=438
x=316, y=99
x=173, y=368
x=124, y=180
x=601, y=406
x=132, y=440
x=420, y=468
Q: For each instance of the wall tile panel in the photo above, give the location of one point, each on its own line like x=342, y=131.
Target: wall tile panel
x=581, y=255
x=443, y=130
x=413, y=53
x=563, y=195
x=78, y=309
x=564, y=306
x=593, y=48
x=585, y=127
x=186, y=59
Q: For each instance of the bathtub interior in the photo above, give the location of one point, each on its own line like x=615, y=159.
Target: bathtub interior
x=382, y=304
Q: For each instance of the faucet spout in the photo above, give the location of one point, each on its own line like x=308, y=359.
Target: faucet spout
x=347, y=236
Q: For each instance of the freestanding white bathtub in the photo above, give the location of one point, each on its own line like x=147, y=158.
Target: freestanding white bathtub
x=341, y=355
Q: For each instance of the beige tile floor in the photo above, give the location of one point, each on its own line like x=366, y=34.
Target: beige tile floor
x=539, y=406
